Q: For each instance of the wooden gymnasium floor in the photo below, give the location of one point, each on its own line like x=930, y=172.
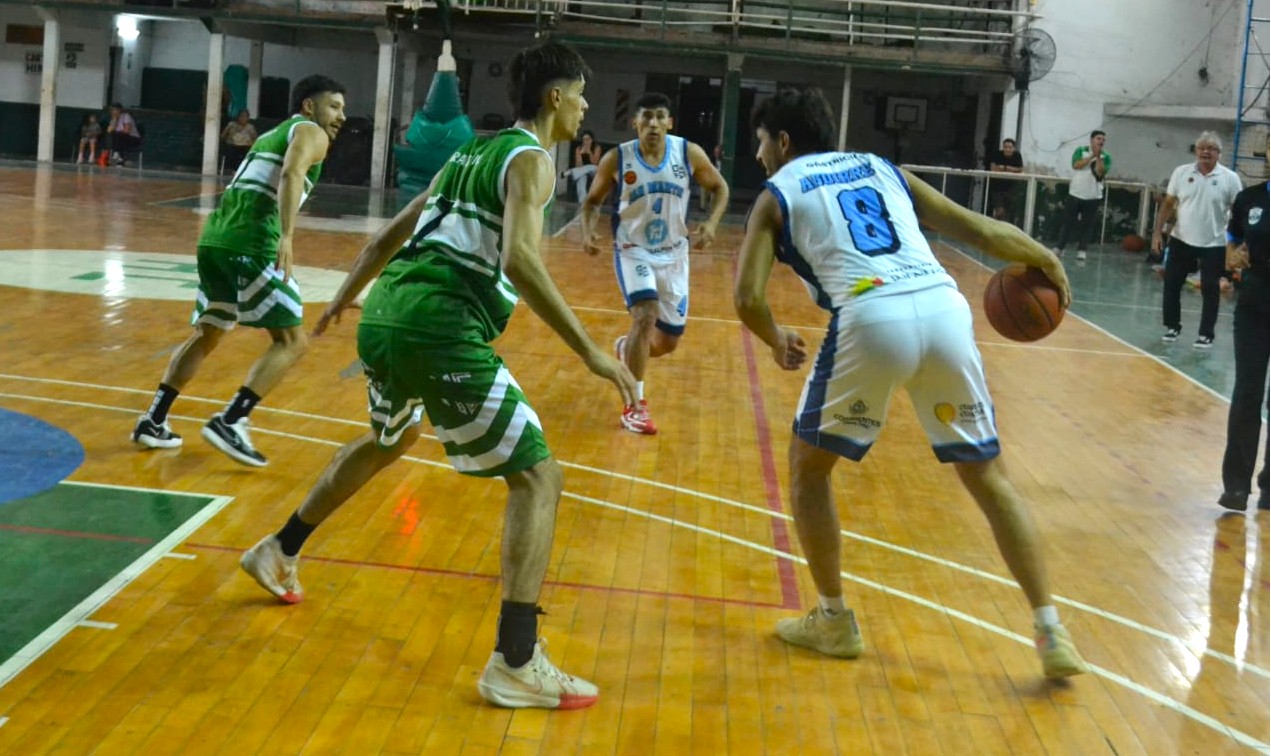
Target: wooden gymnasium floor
x=673, y=557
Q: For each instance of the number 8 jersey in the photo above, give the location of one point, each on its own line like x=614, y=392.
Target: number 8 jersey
x=849, y=229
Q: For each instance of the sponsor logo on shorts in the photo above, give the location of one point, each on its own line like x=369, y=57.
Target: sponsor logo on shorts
x=456, y=377
x=463, y=408
x=642, y=270
x=945, y=412
x=962, y=413
x=858, y=409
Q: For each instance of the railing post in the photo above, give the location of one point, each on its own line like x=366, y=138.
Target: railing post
x=1145, y=206
x=1030, y=205
x=1103, y=220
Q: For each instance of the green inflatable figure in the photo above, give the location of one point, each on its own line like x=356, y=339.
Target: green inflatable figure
x=437, y=130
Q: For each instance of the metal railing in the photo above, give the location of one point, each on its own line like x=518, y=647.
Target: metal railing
x=953, y=25
x=1127, y=205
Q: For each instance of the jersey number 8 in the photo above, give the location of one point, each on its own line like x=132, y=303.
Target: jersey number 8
x=868, y=221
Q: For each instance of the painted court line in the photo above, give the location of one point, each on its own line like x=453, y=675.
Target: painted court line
x=97, y=625
x=26, y=655
x=31, y=530
x=443, y=572
x=180, y=555
x=1177, y=641
x=772, y=488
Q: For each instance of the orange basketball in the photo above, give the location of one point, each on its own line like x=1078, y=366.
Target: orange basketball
x=1022, y=304
x=1133, y=243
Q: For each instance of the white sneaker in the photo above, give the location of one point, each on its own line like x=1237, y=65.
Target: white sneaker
x=836, y=635
x=273, y=570
x=1058, y=653
x=537, y=684
x=1081, y=254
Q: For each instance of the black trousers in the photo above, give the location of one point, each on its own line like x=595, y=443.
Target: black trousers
x=1088, y=210
x=1244, y=419
x=1181, y=259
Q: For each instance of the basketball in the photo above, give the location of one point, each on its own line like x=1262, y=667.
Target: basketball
x=1022, y=304
x=1133, y=243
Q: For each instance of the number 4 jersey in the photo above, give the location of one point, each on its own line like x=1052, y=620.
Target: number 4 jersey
x=650, y=217
x=849, y=229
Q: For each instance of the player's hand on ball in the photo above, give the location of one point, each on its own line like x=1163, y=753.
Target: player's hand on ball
x=1054, y=270
x=791, y=352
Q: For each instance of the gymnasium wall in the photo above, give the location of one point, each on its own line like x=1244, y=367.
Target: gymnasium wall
x=1133, y=51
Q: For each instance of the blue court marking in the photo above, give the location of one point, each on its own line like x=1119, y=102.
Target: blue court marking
x=34, y=456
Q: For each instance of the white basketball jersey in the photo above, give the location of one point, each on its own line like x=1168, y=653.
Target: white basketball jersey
x=850, y=230
x=650, y=220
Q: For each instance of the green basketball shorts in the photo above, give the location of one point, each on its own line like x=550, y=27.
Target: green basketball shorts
x=477, y=409
x=244, y=289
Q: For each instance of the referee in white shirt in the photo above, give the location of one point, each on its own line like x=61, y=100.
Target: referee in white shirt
x=1194, y=215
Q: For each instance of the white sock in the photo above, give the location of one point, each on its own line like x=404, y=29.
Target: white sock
x=833, y=605
x=639, y=391
x=1045, y=616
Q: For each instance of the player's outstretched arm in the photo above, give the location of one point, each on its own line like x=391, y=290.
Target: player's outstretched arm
x=997, y=238
x=709, y=178
x=530, y=184
x=750, y=293
x=373, y=257
x=601, y=185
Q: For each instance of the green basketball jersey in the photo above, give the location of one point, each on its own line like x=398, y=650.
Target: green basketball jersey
x=246, y=221
x=449, y=278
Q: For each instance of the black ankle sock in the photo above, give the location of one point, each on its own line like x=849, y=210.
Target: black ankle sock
x=293, y=534
x=518, y=632
x=240, y=406
x=163, y=399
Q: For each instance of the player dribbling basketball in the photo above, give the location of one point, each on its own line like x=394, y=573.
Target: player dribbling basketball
x=848, y=224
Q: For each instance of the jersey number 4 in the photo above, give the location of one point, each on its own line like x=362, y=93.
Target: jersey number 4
x=868, y=221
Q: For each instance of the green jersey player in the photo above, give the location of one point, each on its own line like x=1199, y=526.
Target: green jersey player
x=454, y=263
x=244, y=261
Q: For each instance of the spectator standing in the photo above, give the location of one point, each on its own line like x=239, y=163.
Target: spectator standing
x=1090, y=164
x=1002, y=194
x=1194, y=215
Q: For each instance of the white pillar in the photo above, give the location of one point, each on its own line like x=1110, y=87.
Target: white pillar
x=212, y=108
x=48, y=85
x=255, y=64
x=410, y=65
x=383, y=107
x=845, y=105
x=1010, y=117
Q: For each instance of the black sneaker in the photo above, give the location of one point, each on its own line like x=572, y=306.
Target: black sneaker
x=1236, y=501
x=1203, y=342
x=151, y=435
x=233, y=440
x=1171, y=334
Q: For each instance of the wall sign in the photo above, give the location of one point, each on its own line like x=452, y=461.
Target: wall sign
x=35, y=62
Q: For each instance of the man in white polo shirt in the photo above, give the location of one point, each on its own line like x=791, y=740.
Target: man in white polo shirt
x=1089, y=166
x=1194, y=214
